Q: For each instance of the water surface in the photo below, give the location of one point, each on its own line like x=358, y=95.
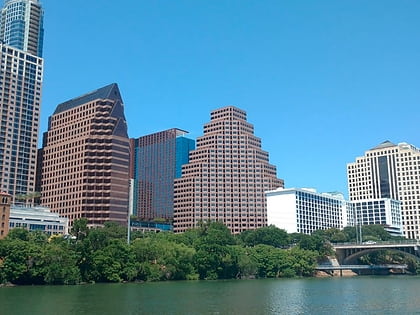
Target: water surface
x=356, y=295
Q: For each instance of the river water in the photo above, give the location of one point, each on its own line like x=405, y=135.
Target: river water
x=355, y=295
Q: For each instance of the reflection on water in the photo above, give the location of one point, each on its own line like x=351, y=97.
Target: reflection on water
x=358, y=295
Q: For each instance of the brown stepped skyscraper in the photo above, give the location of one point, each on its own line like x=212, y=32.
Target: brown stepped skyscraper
x=226, y=176
x=85, y=156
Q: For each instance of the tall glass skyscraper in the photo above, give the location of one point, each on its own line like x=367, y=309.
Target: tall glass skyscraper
x=157, y=160
x=22, y=25
x=21, y=72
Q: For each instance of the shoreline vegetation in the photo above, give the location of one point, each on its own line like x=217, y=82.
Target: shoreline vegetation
x=209, y=252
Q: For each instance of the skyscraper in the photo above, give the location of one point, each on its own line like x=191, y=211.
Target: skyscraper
x=85, y=155
x=22, y=25
x=21, y=71
x=389, y=171
x=226, y=176
x=20, y=101
x=157, y=161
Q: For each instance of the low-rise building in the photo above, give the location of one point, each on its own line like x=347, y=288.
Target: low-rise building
x=149, y=226
x=303, y=210
x=384, y=211
x=38, y=219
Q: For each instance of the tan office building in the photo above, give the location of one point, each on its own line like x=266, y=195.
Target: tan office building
x=85, y=156
x=389, y=171
x=20, y=101
x=226, y=176
x=21, y=72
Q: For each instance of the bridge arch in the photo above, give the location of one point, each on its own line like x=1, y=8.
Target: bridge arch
x=352, y=259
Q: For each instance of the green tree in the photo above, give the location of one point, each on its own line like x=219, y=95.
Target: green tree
x=161, y=259
x=189, y=237
x=115, y=230
x=18, y=234
x=215, y=233
x=38, y=237
x=350, y=232
x=304, y=261
x=113, y=263
x=59, y=264
x=272, y=262
x=269, y=235
x=80, y=229
x=247, y=264
x=332, y=235
x=314, y=243
x=375, y=232
x=214, y=259
x=21, y=262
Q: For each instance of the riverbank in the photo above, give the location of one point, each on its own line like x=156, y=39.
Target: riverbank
x=335, y=273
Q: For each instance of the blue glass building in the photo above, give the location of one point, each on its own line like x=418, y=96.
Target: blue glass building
x=22, y=25
x=157, y=160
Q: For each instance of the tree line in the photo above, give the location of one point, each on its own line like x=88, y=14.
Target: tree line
x=208, y=252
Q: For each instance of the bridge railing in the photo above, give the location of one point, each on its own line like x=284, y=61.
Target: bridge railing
x=348, y=267
x=397, y=242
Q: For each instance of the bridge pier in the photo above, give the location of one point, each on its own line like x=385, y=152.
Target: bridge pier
x=340, y=254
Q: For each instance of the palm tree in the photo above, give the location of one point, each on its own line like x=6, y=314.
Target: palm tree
x=29, y=196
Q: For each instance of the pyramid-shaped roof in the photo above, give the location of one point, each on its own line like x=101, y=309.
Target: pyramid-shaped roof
x=383, y=145
x=110, y=91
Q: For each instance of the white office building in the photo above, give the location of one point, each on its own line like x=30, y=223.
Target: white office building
x=38, y=219
x=305, y=211
x=389, y=171
x=385, y=211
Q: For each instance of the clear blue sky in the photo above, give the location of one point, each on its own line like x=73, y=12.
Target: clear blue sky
x=322, y=81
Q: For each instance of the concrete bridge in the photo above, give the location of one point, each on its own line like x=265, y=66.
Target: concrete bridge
x=358, y=268
x=348, y=253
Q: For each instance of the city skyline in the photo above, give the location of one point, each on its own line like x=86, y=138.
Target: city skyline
x=322, y=81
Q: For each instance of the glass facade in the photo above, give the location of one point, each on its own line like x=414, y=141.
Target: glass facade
x=158, y=160
x=183, y=146
x=384, y=176
x=22, y=25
